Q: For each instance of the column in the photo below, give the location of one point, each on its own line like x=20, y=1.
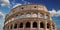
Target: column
x=49, y=17
x=38, y=14
x=12, y=26
x=24, y=26
x=45, y=25
x=25, y=15
x=51, y=27
x=18, y=15
x=9, y=27
x=17, y=26
x=14, y=17
x=44, y=16
x=31, y=25
x=31, y=14
x=38, y=25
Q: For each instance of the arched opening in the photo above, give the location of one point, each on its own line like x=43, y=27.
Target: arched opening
x=41, y=25
x=28, y=25
x=41, y=15
x=28, y=15
x=48, y=25
x=34, y=6
x=34, y=15
x=46, y=17
x=21, y=25
x=15, y=26
x=16, y=16
x=22, y=15
x=11, y=26
x=34, y=25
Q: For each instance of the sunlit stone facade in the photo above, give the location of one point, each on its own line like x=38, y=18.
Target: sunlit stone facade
x=29, y=17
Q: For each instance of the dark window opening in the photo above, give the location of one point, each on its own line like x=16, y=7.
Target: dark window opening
x=34, y=6
x=11, y=26
x=22, y=8
x=41, y=25
x=34, y=25
x=15, y=26
x=28, y=25
x=48, y=26
x=21, y=25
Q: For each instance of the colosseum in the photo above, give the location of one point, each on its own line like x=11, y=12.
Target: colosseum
x=29, y=17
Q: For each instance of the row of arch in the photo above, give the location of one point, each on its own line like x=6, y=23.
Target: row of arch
x=28, y=15
x=28, y=25
x=34, y=15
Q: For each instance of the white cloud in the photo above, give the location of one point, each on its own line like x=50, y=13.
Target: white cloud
x=17, y=4
x=1, y=14
x=54, y=12
x=26, y=2
x=4, y=2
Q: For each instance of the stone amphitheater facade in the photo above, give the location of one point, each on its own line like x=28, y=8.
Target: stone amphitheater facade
x=29, y=17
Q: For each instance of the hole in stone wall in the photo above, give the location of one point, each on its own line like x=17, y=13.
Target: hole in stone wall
x=28, y=25
x=41, y=25
x=21, y=25
x=34, y=25
x=15, y=26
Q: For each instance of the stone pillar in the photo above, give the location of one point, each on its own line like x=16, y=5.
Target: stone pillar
x=25, y=15
x=38, y=25
x=9, y=27
x=49, y=17
x=38, y=14
x=45, y=25
x=51, y=27
x=18, y=15
x=12, y=26
x=14, y=17
x=17, y=26
x=44, y=16
x=24, y=26
x=45, y=22
x=31, y=14
x=31, y=25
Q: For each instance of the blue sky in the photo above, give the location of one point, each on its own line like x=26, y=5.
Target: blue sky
x=53, y=7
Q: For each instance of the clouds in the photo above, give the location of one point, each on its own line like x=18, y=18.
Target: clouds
x=2, y=15
x=55, y=13
x=4, y=3
x=26, y=2
x=17, y=4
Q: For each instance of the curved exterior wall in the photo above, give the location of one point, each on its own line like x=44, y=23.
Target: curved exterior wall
x=29, y=17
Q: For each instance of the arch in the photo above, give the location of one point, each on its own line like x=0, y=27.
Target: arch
x=46, y=17
x=15, y=26
x=28, y=15
x=48, y=25
x=22, y=15
x=28, y=25
x=41, y=15
x=34, y=15
x=21, y=25
x=41, y=25
x=34, y=25
x=34, y=6
x=16, y=16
